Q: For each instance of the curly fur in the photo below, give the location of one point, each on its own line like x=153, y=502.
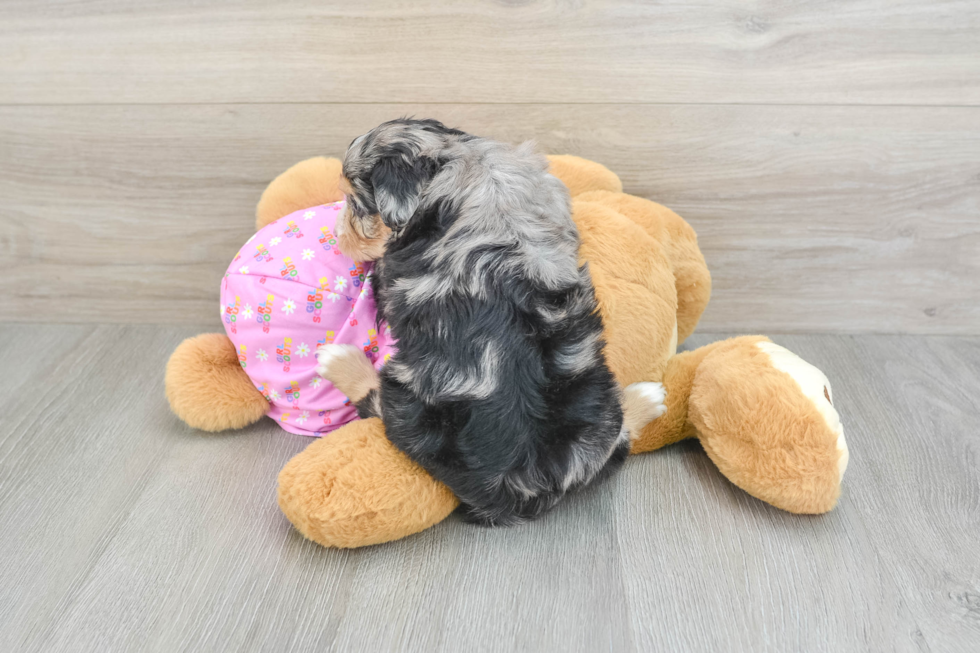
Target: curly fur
x=500, y=388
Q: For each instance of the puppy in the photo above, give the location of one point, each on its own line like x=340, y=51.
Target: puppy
x=499, y=388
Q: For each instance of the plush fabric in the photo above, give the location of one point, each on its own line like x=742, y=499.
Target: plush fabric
x=582, y=175
x=635, y=290
x=308, y=183
x=338, y=492
x=679, y=244
x=763, y=432
x=206, y=387
x=674, y=426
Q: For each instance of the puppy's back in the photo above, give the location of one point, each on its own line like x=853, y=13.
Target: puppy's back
x=500, y=388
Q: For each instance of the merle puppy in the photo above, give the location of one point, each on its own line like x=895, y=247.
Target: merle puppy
x=499, y=388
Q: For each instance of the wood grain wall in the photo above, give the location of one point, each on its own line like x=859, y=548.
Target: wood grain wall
x=828, y=153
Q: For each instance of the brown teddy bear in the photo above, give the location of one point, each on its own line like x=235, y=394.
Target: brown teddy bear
x=763, y=415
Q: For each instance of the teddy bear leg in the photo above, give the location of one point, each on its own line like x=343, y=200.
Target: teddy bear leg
x=354, y=488
x=766, y=418
x=674, y=425
x=207, y=387
x=309, y=183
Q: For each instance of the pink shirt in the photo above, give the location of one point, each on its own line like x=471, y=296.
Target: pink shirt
x=287, y=291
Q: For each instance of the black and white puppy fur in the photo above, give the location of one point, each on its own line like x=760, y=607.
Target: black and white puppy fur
x=499, y=388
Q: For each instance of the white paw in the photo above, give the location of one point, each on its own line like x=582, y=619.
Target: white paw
x=653, y=395
x=333, y=361
x=348, y=368
x=643, y=403
x=649, y=390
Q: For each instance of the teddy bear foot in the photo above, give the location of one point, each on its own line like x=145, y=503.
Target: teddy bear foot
x=766, y=419
x=354, y=488
x=207, y=387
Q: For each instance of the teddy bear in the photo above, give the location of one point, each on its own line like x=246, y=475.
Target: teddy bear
x=763, y=415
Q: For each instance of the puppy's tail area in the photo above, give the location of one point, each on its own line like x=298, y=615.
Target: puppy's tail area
x=642, y=403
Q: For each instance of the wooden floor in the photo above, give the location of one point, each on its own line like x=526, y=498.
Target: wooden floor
x=123, y=530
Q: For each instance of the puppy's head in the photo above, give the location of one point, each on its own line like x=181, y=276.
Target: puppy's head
x=385, y=172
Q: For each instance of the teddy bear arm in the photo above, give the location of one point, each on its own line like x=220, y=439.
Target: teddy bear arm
x=207, y=387
x=634, y=287
x=693, y=283
x=309, y=183
x=674, y=425
x=680, y=244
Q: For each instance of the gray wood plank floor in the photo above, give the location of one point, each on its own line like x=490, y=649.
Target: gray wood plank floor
x=123, y=530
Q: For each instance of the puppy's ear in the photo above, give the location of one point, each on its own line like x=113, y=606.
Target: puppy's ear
x=398, y=184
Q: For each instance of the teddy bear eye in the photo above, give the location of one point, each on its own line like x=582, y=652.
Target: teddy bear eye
x=826, y=393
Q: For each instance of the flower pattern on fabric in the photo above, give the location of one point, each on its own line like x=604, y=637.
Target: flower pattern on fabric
x=288, y=291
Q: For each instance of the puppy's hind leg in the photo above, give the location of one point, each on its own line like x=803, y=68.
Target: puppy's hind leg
x=642, y=403
x=351, y=372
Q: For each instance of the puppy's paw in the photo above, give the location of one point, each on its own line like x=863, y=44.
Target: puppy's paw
x=348, y=369
x=642, y=403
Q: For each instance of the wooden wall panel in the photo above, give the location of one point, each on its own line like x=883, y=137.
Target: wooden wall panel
x=456, y=51
x=833, y=219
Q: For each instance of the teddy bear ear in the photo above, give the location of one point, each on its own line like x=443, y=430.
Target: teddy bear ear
x=398, y=182
x=308, y=183
x=582, y=176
